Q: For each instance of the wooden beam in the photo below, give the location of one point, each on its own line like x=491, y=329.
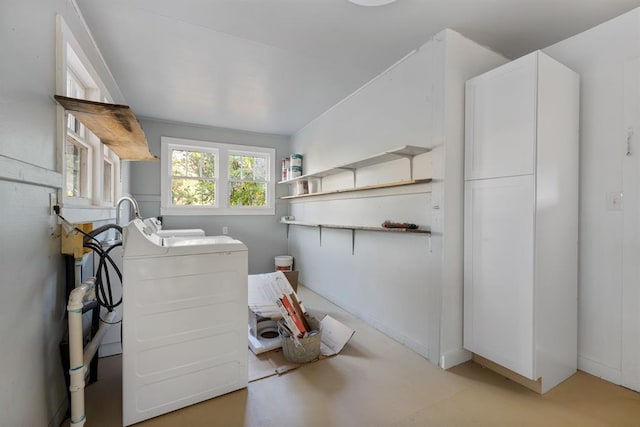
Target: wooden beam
x=114, y=124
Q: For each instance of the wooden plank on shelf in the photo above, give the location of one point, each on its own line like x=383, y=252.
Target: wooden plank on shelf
x=114, y=124
x=363, y=188
x=358, y=227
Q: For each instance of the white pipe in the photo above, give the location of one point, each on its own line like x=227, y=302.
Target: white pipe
x=92, y=347
x=76, y=361
x=79, y=359
x=78, y=272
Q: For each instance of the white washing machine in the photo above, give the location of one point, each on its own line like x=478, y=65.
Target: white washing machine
x=184, y=321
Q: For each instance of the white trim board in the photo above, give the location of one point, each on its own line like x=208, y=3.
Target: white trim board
x=26, y=173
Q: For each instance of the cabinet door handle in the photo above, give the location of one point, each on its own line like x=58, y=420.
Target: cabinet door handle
x=629, y=136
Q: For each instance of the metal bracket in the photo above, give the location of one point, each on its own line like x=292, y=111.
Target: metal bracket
x=353, y=241
x=411, y=167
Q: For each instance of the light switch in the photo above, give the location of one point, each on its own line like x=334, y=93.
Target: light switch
x=615, y=201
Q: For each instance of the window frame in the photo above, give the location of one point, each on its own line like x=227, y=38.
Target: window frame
x=86, y=184
x=73, y=63
x=221, y=207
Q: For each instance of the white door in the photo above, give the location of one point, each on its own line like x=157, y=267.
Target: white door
x=500, y=121
x=630, y=152
x=498, y=271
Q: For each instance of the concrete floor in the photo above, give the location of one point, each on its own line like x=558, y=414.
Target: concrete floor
x=375, y=381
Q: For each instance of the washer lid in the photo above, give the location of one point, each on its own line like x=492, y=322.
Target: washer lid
x=139, y=242
x=205, y=243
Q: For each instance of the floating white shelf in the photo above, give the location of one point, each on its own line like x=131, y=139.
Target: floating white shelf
x=407, y=151
x=353, y=229
x=363, y=188
x=358, y=227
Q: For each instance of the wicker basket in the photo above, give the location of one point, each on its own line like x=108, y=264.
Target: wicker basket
x=309, y=347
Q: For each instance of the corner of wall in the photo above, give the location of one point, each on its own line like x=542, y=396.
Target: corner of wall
x=464, y=59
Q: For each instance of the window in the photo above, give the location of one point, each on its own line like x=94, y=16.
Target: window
x=207, y=178
x=78, y=148
x=76, y=174
x=90, y=170
x=108, y=176
x=248, y=179
x=193, y=177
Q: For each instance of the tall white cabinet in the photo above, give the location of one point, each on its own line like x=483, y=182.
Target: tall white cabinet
x=521, y=218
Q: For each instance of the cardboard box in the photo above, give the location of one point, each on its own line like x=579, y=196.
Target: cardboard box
x=335, y=336
x=292, y=278
x=262, y=307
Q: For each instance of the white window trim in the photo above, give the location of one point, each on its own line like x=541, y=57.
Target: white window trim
x=223, y=150
x=81, y=201
x=76, y=208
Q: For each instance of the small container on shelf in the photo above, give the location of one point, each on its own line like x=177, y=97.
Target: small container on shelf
x=296, y=160
x=313, y=185
x=301, y=187
x=286, y=165
x=295, y=165
x=295, y=172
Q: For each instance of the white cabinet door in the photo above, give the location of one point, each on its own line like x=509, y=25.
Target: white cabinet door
x=501, y=121
x=498, y=277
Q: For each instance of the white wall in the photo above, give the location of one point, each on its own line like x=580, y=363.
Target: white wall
x=465, y=59
x=395, y=282
x=263, y=234
x=600, y=56
x=32, y=305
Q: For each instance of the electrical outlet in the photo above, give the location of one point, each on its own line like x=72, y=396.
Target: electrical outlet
x=53, y=201
x=225, y=230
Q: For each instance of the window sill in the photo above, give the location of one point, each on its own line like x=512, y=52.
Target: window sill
x=78, y=213
x=215, y=211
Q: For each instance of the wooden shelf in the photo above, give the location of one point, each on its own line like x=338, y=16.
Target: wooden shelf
x=114, y=124
x=358, y=227
x=407, y=151
x=363, y=188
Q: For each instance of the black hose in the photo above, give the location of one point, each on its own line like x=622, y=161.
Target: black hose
x=104, y=294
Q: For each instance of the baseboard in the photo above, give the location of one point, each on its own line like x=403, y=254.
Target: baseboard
x=599, y=370
x=454, y=357
x=110, y=349
x=532, y=385
x=421, y=348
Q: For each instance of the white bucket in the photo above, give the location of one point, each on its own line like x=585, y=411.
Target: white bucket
x=284, y=263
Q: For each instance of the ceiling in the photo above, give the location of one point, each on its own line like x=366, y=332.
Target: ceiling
x=274, y=65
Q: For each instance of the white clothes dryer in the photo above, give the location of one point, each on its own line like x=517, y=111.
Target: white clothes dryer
x=184, y=321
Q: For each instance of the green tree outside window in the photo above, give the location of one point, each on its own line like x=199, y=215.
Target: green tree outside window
x=193, y=181
x=247, y=180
